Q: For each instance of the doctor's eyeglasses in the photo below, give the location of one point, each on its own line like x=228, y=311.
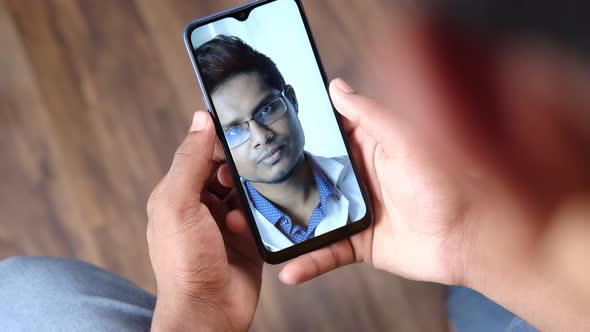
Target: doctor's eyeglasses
x=266, y=115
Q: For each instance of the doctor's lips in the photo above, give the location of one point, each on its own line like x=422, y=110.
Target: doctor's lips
x=273, y=155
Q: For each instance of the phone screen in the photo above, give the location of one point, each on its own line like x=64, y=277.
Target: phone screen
x=267, y=93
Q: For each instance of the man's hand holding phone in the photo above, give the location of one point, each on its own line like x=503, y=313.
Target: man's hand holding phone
x=452, y=202
x=420, y=230
x=208, y=278
x=429, y=226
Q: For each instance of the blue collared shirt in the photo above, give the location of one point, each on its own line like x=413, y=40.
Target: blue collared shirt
x=295, y=233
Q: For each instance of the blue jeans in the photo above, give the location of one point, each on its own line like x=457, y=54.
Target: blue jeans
x=471, y=311
x=58, y=294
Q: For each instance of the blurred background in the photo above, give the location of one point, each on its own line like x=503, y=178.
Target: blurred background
x=95, y=97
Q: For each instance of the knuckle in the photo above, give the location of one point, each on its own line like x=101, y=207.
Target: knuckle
x=188, y=217
x=154, y=198
x=175, y=218
x=149, y=233
x=188, y=211
x=151, y=204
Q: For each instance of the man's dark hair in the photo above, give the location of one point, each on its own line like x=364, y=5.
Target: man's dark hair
x=225, y=57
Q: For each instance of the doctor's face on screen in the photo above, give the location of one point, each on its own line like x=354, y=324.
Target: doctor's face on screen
x=261, y=127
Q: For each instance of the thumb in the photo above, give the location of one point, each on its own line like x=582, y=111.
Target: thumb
x=566, y=245
x=376, y=120
x=193, y=161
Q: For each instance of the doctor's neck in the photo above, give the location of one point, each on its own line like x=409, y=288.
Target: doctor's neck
x=297, y=189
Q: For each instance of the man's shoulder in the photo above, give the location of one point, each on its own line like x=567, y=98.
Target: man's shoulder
x=338, y=169
x=343, y=160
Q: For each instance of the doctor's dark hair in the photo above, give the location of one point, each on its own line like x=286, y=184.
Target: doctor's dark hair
x=225, y=57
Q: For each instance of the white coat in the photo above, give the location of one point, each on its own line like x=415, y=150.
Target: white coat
x=344, y=207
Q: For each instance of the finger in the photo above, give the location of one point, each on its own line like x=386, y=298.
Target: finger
x=218, y=154
x=232, y=200
x=236, y=222
x=363, y=112
x=192, y=162
x=318, y=262
x=216, y=208
x=215, y=187
x=225, y=177
x=348, y=125
x=242, y=250
x=566, y=245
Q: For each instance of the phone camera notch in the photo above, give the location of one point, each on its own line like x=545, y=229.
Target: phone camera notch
x=242, y=15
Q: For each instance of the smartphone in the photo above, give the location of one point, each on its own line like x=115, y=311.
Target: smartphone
x=264, y=86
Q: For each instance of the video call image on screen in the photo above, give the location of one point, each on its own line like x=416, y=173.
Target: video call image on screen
x=278, y=122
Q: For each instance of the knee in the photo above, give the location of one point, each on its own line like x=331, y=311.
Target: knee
x=37, y=274
x=70, y=294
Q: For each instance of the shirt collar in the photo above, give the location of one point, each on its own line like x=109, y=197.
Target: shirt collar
x=324, y=184
x=274, y=214
x=263, y=205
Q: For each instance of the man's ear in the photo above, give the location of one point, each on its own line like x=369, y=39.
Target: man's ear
x=290, y=94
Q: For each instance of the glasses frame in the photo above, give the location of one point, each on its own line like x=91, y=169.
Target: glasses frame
x=281, y=96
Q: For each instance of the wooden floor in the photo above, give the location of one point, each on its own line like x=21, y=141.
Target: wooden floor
x=95, y=96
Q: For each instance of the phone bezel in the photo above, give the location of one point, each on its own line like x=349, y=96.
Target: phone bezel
x=315, y=243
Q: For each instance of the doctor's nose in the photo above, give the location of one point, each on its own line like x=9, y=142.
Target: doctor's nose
x=260, y=134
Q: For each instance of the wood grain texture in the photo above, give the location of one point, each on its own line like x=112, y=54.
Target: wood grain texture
x=95, y=96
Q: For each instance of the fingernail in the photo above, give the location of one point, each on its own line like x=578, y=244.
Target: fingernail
x=342, y=86
x=199, y=121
